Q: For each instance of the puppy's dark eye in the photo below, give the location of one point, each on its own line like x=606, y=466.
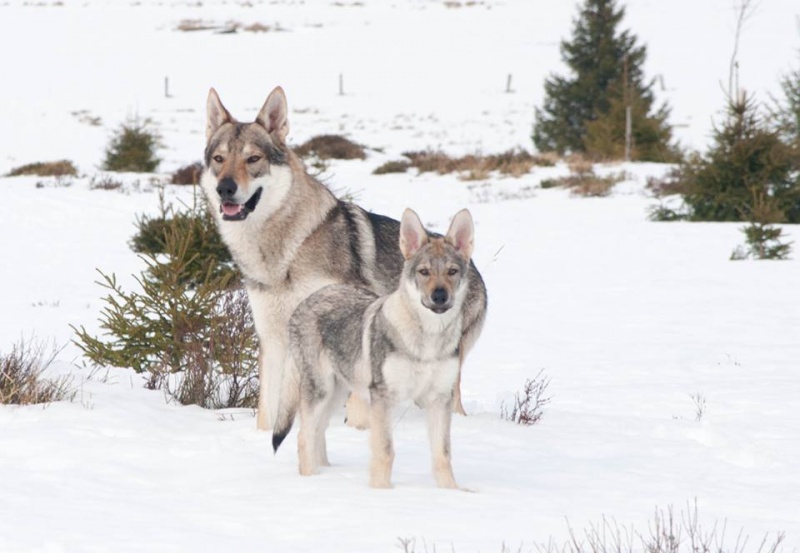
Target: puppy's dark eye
x=424, y=272
x=452, y=271
x=218, y=159
x=253, y=159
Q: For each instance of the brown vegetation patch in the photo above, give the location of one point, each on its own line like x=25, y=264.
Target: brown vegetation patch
x=60, y=168
x=398, y=166
x=513, y=163
x=586, y=183
x=331, y=146
x=192, y=25
x=188, y=174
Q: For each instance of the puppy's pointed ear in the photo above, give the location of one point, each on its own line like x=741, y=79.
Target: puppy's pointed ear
x=462, y=233
x=216, y=114
x=274, y=115
x=412, y=234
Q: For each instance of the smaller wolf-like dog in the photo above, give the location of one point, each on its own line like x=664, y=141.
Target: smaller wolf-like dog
x=397, y=347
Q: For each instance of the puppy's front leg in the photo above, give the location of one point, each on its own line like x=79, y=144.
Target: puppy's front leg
x=380, y=438
x=439, y=417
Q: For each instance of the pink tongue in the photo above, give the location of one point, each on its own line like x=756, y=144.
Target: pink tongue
x=231, y=209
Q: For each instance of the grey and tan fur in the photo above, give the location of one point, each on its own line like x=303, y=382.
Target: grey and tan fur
x=401, y=346
x=290, y=236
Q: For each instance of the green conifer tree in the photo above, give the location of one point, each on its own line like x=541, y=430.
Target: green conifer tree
x=748, y=174
x=586, y=112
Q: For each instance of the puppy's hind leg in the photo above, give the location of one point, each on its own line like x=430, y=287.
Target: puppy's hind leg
x=318, y=393
x=307, y=438
x=333, y=402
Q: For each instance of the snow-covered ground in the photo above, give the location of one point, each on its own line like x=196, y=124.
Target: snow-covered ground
x=628, y=318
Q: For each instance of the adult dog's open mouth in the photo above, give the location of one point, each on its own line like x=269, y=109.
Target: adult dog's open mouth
x=239, y=212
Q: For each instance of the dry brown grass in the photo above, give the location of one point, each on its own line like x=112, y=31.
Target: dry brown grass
x=580, y=166
x=583, y=182
x=188, y=174
x=61, y=168
x=21, y=376
x=193, y=25
x=331, y=146
x=514, y=163
x=399, y=166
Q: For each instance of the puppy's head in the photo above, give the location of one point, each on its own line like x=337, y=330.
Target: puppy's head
x=436, y=266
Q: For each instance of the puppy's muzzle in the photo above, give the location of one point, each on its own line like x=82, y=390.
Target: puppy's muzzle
x=440, y=300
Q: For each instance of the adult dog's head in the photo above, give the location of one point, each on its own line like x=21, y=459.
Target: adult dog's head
x=247, y=164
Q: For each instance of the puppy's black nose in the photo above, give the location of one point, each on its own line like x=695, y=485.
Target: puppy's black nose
x=226, y=188
x=439, y=296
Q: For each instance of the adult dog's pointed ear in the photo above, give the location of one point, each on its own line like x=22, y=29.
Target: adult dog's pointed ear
x=461, y=233
x=412, y=234
x=216, y=114
x=274, y=115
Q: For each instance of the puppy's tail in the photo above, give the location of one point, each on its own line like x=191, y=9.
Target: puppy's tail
x=287, y=405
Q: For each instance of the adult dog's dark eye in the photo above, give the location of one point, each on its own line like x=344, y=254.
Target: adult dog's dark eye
x=253, y=159
x=219, y=159
x=452, y=271
x=424, y=272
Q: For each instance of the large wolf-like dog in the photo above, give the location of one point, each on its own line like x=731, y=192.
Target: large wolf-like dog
x=290, y=236
x=397, y=347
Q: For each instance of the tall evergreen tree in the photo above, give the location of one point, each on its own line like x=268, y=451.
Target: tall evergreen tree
x=586, y=112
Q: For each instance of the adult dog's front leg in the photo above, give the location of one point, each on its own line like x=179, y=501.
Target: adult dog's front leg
x=271, y=359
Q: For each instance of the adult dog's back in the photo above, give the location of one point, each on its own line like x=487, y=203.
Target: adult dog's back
x=290, y=236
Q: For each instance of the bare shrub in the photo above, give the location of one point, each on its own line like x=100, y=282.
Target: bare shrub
x=400, y=166
x=221, y=372
x=331, y=146
x=188, y=174
x=529, y=403
x=61, y=168
x=699, y=405
x=104, y=183
x=21, y=375
x=666, y=533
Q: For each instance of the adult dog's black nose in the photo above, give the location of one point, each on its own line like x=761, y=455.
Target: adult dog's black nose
x=439, y=296
x=226, y=188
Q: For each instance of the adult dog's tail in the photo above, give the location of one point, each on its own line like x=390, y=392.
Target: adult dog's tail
x=287, y=405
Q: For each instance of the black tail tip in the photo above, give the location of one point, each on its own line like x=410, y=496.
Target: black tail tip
x=277, y=440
